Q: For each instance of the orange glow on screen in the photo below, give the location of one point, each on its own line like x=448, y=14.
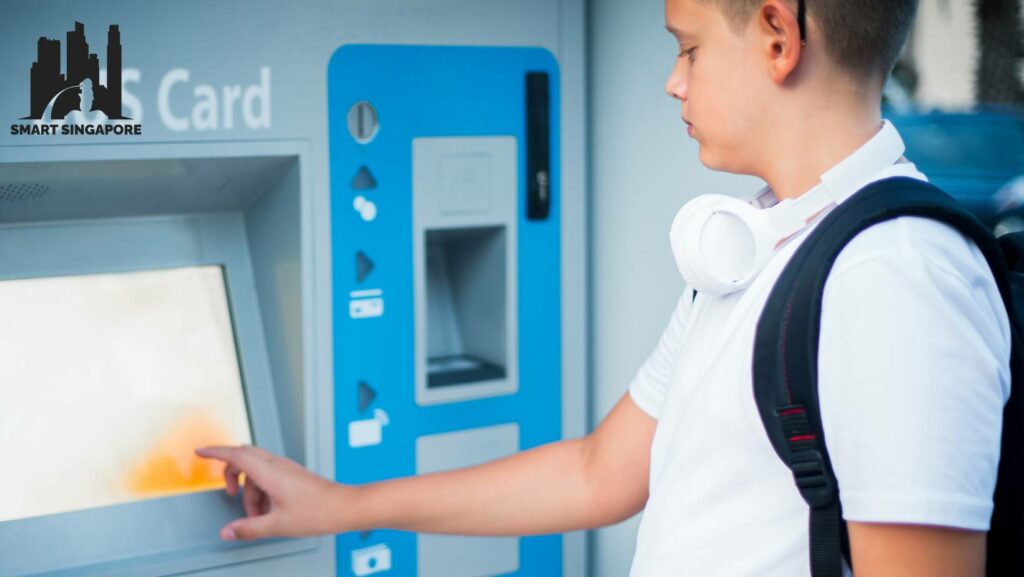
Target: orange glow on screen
x=171, y=467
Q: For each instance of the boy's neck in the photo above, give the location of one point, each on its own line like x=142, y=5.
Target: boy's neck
x=808, y=147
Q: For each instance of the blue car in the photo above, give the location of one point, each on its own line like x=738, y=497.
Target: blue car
x=973, y=156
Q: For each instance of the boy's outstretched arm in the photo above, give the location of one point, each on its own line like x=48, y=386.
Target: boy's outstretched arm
x=567, y=485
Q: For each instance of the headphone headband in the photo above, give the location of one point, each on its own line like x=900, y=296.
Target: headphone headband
x=721, y=243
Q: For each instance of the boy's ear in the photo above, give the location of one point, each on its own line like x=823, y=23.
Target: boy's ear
x=780, y=33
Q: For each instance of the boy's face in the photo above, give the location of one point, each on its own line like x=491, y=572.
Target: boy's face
x=721, y=82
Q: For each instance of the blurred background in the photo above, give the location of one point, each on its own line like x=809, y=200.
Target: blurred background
x=956, y=96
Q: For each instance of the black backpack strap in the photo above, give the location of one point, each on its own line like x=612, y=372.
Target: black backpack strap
x=1006, y=534
x=785, y=368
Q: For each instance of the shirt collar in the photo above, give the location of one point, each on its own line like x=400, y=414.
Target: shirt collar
x=863, y=166
x=857, y=170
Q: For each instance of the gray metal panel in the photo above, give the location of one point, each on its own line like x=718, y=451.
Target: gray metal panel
x=273, y=228
x=307, y=556
x=577, y=420
x=114, y=188
x=187, y=522
x=453, y=555
x=456, y=556
x=227, y=43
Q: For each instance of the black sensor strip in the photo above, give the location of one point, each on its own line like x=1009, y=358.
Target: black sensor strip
x=538, y=153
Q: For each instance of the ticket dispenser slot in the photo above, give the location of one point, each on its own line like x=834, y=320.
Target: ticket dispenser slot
x=464, y=193
x=466, y=319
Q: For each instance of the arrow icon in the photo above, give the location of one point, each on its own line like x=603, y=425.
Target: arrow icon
x=363, y=180
x=366, y=396
x=364, y=266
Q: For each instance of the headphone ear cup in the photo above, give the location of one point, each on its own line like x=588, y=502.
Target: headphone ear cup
x=685, y=241
x=735, y=244
x=721, y=243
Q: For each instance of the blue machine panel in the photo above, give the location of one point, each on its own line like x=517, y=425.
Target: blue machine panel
x=428, y=92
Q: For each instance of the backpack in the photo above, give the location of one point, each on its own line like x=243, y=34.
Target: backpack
x=785, y=367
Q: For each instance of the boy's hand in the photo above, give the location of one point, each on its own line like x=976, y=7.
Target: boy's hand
x=281, y=498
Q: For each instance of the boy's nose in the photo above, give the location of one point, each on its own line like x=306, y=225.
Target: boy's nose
x=675, y=86
x=668, y=88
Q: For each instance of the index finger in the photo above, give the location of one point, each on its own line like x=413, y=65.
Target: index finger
x=246, y=458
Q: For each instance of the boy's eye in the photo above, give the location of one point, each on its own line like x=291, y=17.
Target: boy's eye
x=688, y=52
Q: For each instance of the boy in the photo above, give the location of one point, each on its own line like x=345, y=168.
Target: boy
x=913, y=357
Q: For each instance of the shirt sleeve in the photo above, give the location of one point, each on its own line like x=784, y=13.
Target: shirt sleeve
x=913, y=375
x=651, y=381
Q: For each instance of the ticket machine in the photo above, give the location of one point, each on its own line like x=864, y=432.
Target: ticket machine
x=350, y=233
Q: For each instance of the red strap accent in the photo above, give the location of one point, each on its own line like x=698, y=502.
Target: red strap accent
x=788, y=412
x=802, y=438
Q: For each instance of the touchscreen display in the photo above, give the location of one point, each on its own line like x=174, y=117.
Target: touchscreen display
x=107, y=384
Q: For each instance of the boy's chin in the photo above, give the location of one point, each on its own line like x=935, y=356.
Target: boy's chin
x=719, y=160
x=712, y=158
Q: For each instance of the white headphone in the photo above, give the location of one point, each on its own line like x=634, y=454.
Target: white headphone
x=721, y=243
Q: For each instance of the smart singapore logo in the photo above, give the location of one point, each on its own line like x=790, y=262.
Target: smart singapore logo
x=78, y=101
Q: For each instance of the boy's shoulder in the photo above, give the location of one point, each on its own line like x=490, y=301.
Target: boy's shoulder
x=919, y=286
x=911, y=244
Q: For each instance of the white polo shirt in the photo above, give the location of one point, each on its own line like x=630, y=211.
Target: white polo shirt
x=913, y=374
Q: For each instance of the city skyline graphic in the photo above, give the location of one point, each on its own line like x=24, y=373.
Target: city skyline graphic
x=54, y=94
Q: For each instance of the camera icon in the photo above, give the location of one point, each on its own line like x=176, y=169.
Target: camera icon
x=370, y=560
